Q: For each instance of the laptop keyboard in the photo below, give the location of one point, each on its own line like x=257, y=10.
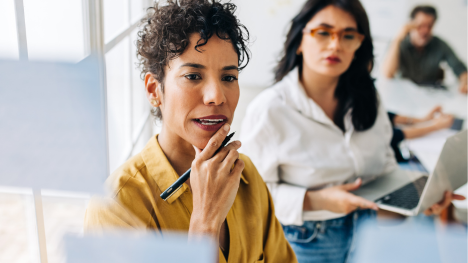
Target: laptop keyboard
x=406, y=197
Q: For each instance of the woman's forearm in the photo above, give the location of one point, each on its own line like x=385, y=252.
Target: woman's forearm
x=399, y=119
x=337, y=199
x=311, y=201
x=200, y=226
x=414, y=132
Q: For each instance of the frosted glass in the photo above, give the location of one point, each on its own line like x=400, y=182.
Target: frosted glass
x=128, y=247
x=52, y=126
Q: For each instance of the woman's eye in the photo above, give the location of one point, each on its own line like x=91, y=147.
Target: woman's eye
x=349, y=36
x=229, y=78
x=323, y=33
x=192, y=76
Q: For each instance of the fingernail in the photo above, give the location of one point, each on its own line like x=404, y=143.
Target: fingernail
x=238, y=143
x=227, y=127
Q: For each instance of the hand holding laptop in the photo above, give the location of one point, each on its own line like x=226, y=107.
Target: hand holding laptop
x=436, y=209
x=337, y=199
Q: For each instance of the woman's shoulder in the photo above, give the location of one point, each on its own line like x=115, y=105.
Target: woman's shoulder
x=130, y=170
x=128, y=203
x=104, y=214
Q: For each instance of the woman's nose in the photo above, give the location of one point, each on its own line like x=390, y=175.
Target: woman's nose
x=335, y=43
x=214, y=94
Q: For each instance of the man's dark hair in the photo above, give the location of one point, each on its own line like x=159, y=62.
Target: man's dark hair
x=426, y=9
x=166, y=31
x=355, y=90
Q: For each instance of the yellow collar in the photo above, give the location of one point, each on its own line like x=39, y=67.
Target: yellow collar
x=161, y=170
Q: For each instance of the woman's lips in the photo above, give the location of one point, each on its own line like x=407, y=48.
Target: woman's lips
x=333, y=60
x=210, y=123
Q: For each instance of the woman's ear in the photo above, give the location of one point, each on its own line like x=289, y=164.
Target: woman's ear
x=299, y=50
x=153, y=92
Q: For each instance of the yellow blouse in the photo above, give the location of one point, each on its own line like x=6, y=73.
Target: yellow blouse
x=255, y=233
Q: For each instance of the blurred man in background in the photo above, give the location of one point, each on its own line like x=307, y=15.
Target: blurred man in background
x=416, y=53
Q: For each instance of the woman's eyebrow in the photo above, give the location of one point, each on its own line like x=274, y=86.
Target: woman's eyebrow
x=231, y=67
x=346, y=29
x=326, y=25
x=193, y=65
x=200, y=66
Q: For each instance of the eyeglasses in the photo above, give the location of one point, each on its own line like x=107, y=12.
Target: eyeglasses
x=349, y=40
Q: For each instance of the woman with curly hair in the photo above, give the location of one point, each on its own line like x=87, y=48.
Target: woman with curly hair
x=191, y=53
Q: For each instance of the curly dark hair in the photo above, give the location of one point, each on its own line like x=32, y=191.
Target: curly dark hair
x=166, y=30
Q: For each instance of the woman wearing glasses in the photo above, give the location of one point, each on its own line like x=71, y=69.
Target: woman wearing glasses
x=321, y=131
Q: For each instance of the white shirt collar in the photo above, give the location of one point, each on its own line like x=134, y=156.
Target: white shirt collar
x=296, y=97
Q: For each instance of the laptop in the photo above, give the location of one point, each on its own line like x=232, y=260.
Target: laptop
x=409, y=192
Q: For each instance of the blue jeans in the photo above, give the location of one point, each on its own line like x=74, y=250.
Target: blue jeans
x=330, y=241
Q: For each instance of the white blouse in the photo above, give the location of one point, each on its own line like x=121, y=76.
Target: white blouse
x=296, y=147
